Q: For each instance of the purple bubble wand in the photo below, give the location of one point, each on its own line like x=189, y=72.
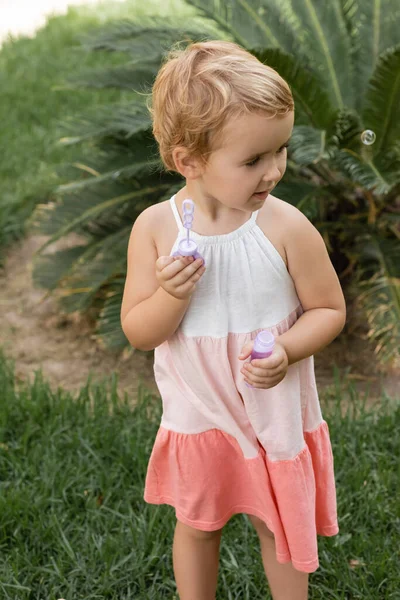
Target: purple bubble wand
x=188, y=247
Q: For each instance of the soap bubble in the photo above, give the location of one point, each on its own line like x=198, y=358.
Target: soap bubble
x=368, y=137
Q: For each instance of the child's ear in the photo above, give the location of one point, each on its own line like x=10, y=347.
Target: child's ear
x=189, y=166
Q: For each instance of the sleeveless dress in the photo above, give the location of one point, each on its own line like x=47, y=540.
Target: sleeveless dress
x=223, y=448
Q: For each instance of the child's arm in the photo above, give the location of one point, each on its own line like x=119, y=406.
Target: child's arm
x=317, y=287
x=150, y=313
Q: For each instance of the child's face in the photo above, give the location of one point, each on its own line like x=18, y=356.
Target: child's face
x=252, y=158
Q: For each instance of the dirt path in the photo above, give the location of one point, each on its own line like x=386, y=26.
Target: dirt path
x=36, y=335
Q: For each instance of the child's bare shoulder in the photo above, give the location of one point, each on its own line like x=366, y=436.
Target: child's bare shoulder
x=284, y=225
x=162, y=224
x=273, y=220
x=286, y=210
x=154, y=213
x=308, y=261
x=154, y=220
x=292, y=220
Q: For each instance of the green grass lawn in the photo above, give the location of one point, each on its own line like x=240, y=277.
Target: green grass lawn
x=73, y=523
x=33, y=107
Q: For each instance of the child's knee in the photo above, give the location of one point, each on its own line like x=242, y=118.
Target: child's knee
x=198, y=534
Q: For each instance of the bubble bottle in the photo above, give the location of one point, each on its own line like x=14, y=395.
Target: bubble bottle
x=188, y=247
x=263, y=347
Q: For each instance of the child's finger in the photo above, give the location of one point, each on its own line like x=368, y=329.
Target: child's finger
x=176, y=266
x=193, y=279
x=262, y=372
x=190, y=269
x=164, y=261
x=246, y=351
x=271, y=362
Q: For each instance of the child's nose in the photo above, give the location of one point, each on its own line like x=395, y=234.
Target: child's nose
x=272, y=173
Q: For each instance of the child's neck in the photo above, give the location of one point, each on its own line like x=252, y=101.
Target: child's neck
x=210, y=212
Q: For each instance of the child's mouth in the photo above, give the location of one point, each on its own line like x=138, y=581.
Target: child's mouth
x=262, y=195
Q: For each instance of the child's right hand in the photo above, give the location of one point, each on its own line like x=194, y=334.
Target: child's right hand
x=178, y=275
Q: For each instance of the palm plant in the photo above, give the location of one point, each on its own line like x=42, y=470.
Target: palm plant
x=342, y=61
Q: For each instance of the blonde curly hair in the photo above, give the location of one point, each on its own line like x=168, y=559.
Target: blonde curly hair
x=200, y=88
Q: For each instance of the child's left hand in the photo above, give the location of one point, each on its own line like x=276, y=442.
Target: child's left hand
x=265, y=373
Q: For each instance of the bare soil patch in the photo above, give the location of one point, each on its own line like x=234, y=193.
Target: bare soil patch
x=37, y=335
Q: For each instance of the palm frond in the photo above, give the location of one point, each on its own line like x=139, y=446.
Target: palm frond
x=349, y=14
x=147, y=41
x=91, y=272
x=365, y=173
x=377, y=27
x=328, y=47
x=310, y=199
x=49, y=269
x=59, y=219
x=148, y=38
x=390, y=17
x=94, y=270
x=376, y=30
x=381, y=111
x=131, y=76
x=310, y=96
x=379, y=295
x=108, y=329
x=111, y=221
x=119, y=121
x=111, y=153
x=294, y=191
x=250, y=25
x=309, y=145
x=347, y=129
x=121, y=174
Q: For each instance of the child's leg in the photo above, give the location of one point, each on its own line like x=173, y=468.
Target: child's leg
x=196, y=561
x=285, y=582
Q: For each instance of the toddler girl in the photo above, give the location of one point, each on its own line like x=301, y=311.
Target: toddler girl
x=223, y=120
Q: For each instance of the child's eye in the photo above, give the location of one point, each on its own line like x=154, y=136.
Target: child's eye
x=253, y=162
x=283, y=147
